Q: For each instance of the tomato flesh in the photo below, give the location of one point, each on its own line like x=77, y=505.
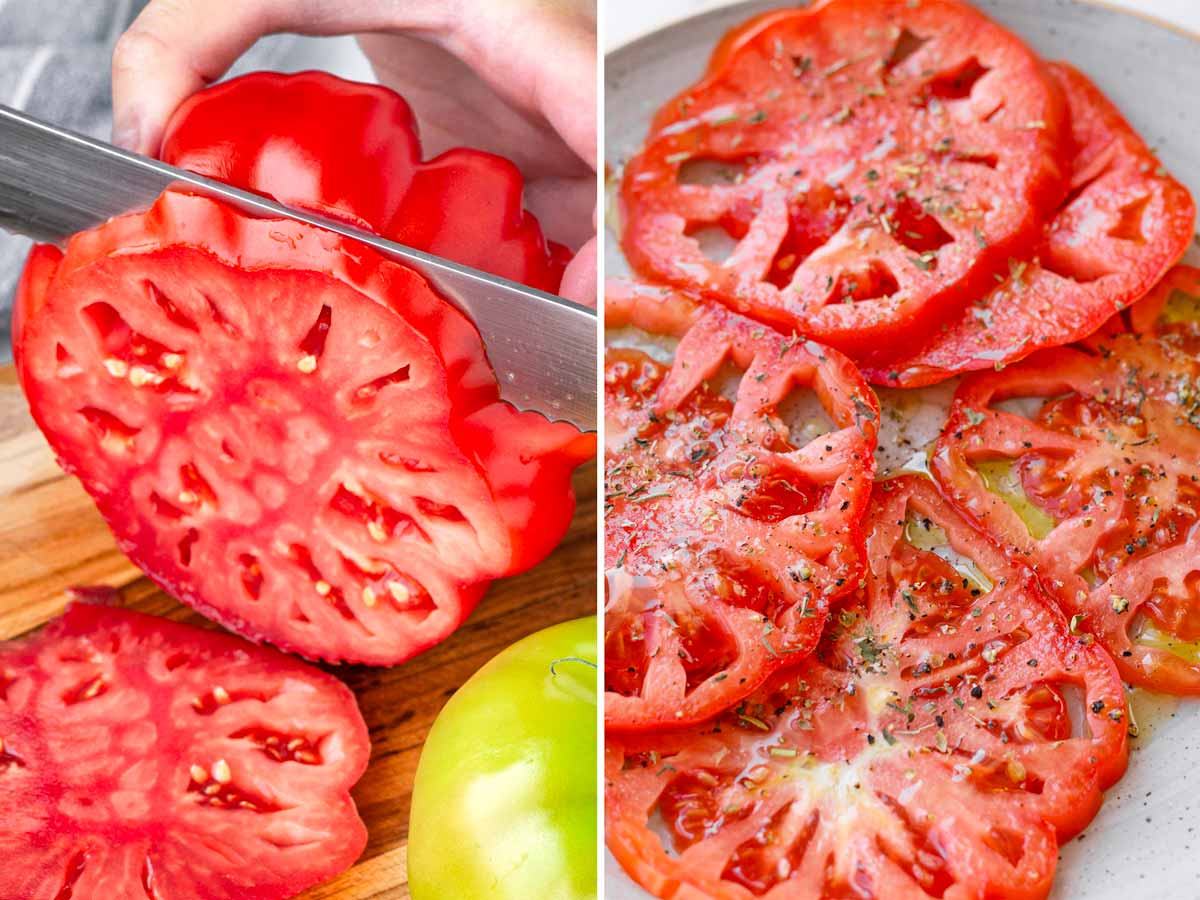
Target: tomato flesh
x=725, y=542
x=292, y=435
x=1123, y=224
x=148, y=759
x=875, y=163
x=1172, y=310
x=897, y=760
x=1108, y=455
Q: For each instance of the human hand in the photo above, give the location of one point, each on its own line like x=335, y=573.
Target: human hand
x=514, y=77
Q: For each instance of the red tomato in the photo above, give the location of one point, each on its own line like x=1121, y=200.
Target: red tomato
x=725, y=540
x=286, y=431
x=144, y=758
x=929, y=748
x=1097, y=488
x=877, y=161
x=1172, y=308
x=1121, y=227
x=351, y=151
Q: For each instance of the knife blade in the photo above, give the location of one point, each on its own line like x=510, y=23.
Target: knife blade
x=55, y=182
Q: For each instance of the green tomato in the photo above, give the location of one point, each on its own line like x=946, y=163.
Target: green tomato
x=504, y=805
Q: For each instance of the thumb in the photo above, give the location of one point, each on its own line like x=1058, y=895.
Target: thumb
x=177, y=47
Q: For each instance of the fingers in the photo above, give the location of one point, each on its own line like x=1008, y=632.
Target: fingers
x=539, y=56
x=579, y=280
x=171, y=51
x=563, y=207
x=457, y=108
x=176, y=47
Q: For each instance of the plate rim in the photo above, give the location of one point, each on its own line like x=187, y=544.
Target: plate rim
x=1102, y=6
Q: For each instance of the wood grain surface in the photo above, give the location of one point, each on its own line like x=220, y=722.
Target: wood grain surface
x=52, y=538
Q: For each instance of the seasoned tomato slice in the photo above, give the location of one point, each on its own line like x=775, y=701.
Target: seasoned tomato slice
x=947, y=734
x=873, y=162
x=1085, y=465
x=1121, y=227
x=291, y=434
x=728, y=530
x=1172, y=310
x=147, y=759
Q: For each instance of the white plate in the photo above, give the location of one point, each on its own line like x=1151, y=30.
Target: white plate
x=1144, y=844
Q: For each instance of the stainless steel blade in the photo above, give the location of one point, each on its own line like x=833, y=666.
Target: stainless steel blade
x=54, y=182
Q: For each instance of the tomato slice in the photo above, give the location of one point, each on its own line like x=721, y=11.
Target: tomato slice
x=931, y=747
x=145, y=758
x=1172, y=310
x=1084, y=464
x=351, y=151
x=1124, y=223
x=875, y=163
x=289, y=433
x=726, y=538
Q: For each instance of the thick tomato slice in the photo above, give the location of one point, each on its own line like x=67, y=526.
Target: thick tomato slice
x=726, y=537
x=876, y=162
x=1124, y=223
x=291, y=434
x=147, y=759
x=946, y=735
x=351, y=151
x=1084, y=464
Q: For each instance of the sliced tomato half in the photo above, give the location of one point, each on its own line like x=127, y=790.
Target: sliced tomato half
x=1084, y=465
x=726, y=537
x=875, y=162
x=947, y=734
x=289, y=433
x=1124, y=223
x=351, y=151
x=147, y=759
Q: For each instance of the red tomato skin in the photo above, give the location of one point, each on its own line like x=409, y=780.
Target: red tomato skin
x=66, y=763
x=351, y=151
x=31, y=289
x=1124, y=224
x=528, y=461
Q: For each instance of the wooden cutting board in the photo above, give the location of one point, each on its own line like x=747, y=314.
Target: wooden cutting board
x=52, y=538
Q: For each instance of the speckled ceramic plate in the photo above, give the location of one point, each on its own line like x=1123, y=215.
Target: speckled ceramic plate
x=1145, y=843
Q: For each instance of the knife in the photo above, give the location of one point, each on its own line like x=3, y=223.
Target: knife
x=54, y=182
